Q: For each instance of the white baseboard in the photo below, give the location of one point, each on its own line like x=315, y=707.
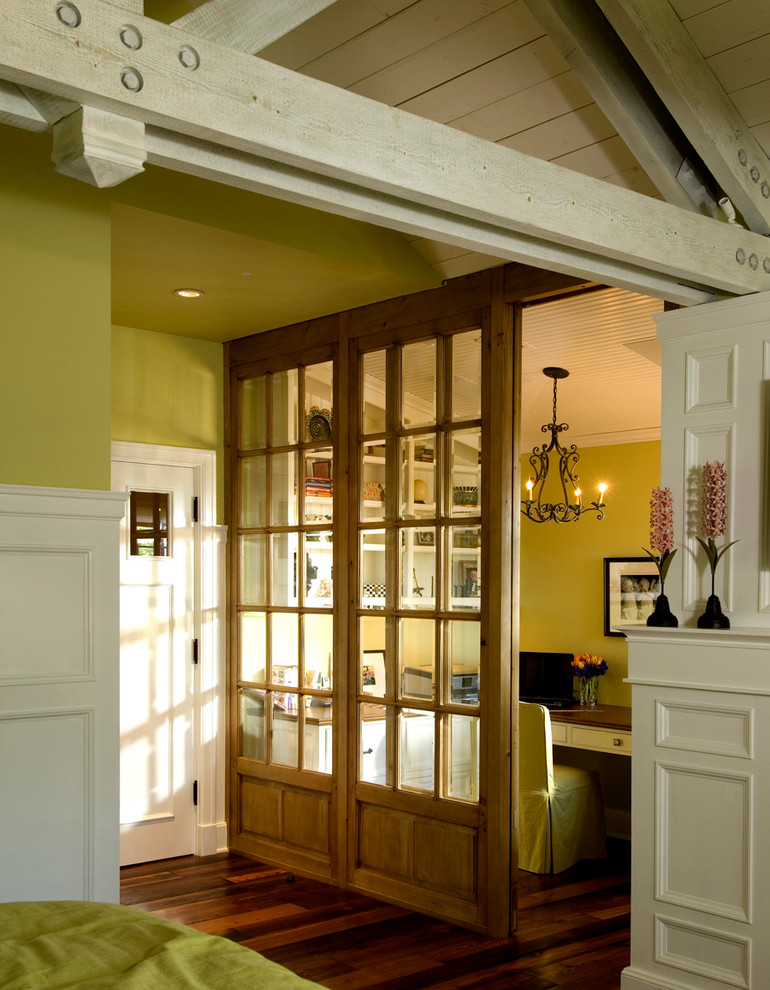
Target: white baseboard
x=635, y=979
x=212, y=839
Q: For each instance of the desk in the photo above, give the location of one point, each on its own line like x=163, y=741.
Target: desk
x=605, y=728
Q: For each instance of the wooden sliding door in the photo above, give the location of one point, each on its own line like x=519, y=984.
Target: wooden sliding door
x=416, y=823
x=371, y=588
x=283, y=633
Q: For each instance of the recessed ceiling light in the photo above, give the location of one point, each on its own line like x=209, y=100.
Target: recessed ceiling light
x=188, y=293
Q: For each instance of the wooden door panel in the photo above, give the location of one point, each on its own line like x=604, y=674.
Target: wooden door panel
x=435, y=861
x=285, y=825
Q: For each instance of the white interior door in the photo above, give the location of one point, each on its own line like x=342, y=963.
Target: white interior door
x=157, y=632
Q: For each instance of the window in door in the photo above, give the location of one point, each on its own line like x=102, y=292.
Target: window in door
x=419, y=566
x=285, y=574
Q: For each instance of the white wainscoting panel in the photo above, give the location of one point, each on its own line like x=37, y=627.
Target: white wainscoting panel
x=59, y=745
x=700, y=910
x=59, y=694
x=710, y=379
x=716, y=807
x=703, y=951
x=705, y=729
x=59, y=579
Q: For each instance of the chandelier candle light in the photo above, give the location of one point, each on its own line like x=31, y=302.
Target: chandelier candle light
x=713, y=524
x=662, y=552
x=588, y=669
x=534, y=506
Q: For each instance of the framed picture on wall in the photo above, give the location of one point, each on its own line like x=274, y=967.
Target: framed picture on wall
x=373, y=672
x=631, y=585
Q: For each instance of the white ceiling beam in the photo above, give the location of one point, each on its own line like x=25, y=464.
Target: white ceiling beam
x=52, y=108
x=208, y=161
x=17, y=110
x=659, y=42
x=97, y=147
x=187, y=84
x=249, y=25
x=593, y=51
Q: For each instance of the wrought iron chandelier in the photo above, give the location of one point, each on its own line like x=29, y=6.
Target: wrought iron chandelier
x=534, y=507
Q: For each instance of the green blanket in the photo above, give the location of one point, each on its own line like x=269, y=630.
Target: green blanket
x=57, y=944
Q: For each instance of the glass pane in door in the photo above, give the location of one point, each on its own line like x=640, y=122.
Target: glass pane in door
x=418, y=568
x=418, y=383
x=253, y=491
x=465, y=467
x=284, y=407
x=254, y=413
x=417, y=651
x=253, y=725
x=416, y=738
x=463, y=652
x=463, y=757
x=254, y=569
x=285, y=564
x=418, y=488
x=466, y=375
x=373, y=391
x=253, y=647
x=283, y=489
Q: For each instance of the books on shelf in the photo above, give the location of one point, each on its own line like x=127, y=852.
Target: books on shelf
x=319, y=487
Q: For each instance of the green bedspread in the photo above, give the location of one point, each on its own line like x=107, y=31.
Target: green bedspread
x=57, y=944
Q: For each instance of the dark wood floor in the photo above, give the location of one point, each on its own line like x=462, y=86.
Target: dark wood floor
x=573, y=927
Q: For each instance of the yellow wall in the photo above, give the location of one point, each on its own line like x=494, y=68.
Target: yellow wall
x=562, y=566
x=55, y=277
x=168, y=390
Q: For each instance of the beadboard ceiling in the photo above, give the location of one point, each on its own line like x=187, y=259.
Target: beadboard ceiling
x=510, y=72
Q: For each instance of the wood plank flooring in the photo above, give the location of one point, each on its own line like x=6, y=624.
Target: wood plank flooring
x=573, y=928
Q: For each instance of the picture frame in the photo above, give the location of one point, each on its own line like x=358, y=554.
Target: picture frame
x=631, y=585
x=469, y=588
x=425, y=537
x=373, y=672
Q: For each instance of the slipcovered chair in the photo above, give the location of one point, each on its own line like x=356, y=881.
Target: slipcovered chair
x=561, y=815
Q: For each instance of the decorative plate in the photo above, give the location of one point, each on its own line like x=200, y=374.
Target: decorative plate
x=319, y=424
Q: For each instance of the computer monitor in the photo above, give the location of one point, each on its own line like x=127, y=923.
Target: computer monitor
x=546, y=679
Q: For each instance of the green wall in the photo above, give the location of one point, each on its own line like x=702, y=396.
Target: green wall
x=55, y=368
x=562, y=565
x=169, y=390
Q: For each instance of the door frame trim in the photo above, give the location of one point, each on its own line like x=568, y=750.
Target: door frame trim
x=209, y=625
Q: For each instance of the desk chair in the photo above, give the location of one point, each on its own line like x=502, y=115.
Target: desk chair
x=561, y=815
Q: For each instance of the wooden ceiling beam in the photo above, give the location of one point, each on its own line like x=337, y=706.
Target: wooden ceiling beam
x=186, y=84
x=305, y=188
x=669, y=58
x=17, y=110
x=593, y=50
x=249, y=25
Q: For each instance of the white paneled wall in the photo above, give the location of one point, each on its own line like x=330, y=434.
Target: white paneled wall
x=701, y=800
x=59, y=694
x=700, y=909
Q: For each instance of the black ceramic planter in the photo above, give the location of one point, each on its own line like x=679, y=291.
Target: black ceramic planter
x=713, y=617
x=662, y=614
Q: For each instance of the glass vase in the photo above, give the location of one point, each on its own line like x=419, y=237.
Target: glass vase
x=588, y=687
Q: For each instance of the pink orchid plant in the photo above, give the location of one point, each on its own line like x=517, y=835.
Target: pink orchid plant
x=661, y=531
x=714, y=514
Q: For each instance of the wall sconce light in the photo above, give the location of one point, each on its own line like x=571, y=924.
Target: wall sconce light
x=534, y=507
